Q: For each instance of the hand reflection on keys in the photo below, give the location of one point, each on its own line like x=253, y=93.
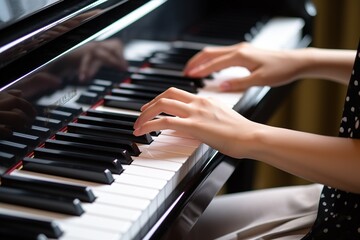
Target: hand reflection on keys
x=15, y=112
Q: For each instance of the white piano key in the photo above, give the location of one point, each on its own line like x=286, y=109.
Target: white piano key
x=100, y=225
x=177, y=140
x=151, y=172
x=119, y=189
x=75, y=232
x=171, y=157
x=165, y=147
x=175, y=133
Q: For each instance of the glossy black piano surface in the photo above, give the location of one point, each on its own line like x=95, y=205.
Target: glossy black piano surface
x=73, y=75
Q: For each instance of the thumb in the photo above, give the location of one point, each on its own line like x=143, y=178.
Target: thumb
x=238, y=84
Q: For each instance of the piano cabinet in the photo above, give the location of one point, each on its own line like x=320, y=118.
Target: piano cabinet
x=86, y=68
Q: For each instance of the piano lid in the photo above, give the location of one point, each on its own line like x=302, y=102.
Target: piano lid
x=27, y=28
x=12, y=11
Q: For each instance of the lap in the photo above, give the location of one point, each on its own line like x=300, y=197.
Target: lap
x=256, y=212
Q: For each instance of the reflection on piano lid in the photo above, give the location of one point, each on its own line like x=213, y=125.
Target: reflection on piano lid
x=76, y=171
x=16, y=10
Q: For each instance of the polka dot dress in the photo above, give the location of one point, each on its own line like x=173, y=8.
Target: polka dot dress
x=339, y=212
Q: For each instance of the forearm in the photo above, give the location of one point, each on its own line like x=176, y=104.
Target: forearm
x=328, y=64
x=332, y=161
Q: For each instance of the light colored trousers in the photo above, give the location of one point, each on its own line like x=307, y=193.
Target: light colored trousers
x=278, y=213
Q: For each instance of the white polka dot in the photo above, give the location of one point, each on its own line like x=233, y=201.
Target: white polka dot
x=324, y=203
x=326, y=230
x=326, y=219
x=344, y=119
x=349, y=130
x=338, y=225
x=357, y=124
x=338, y=196
x=356, y=205
x=341, y=129
x=332, y=195
x=347, y=98
x=352, y=109
x=356, y=82
x=358, y=230
x=349, y=218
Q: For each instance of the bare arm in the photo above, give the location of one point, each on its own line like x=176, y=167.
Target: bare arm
x=329, y=160
x=272, y=68
x=332, y=161
x=328, y=64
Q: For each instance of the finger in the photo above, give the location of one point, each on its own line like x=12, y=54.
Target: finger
x=172, y=93
x=239, y=84
x=174, y=123
x=214, y=65
x=163, y=105
x=204, y=56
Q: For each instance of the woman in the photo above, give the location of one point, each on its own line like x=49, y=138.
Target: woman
x=286, y=213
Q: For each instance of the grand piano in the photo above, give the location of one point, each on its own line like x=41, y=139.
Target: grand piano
x=73, y=75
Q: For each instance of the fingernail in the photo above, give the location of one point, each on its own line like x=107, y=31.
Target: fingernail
x=194, y=70
x=135, y=132
x=225, y=86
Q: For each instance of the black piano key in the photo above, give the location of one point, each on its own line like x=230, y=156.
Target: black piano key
x=165, y=64
x=60, y=189
x=108, y=132
x=171, y=57
x=104, y=162
x=103, y=83
x=123, y=102
x=163, y=82
x=130, y=146
x=56, y=112
x=99, y=121
x=17, y=149
x=163, y=74
x=7, y=159
x=146, y=96
x=101, y=90
x=69, y=170
x=53, y=124
x=142, y=88
x=71, y=206
x=26, y=139
x=184, y=50
x=31, y=226
x=37, y=131
x=112, y=115
x=106, y=120
x=88, y=98
x=16, y=233
x=118, y=153
x=74, y=110
x=59, y=115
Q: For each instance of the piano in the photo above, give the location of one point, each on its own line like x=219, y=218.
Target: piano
x=74, y=170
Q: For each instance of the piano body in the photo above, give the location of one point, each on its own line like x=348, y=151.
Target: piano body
x=77, y=172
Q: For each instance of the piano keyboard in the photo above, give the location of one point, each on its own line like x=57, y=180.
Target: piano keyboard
x=87, y=176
